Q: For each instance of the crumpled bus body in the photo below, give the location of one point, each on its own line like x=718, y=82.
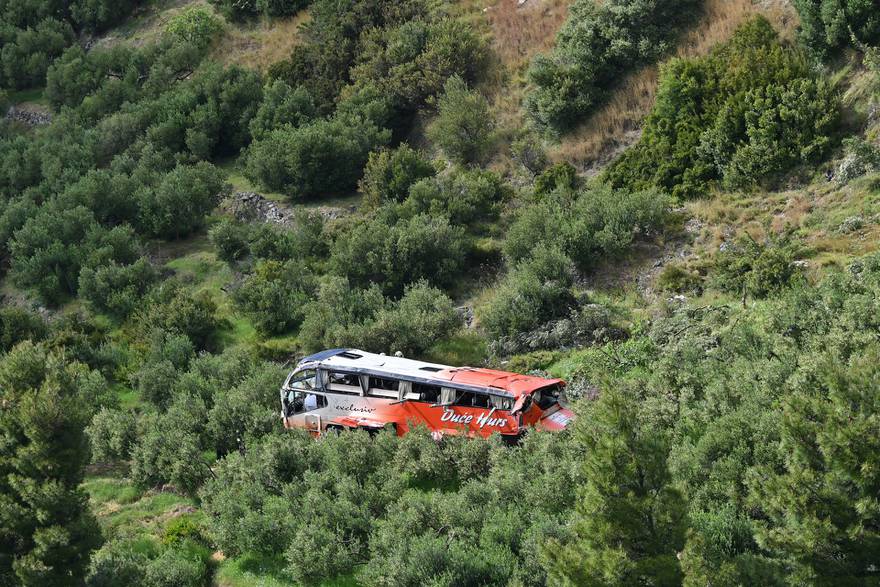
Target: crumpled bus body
x=343, y=389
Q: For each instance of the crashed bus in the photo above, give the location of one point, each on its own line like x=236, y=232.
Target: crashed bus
x=346, y=389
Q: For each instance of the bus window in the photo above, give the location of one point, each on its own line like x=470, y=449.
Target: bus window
x=297, y=402
x=304, y=380
x=501, y=403
x=427, y=393
x=381, y=387
x=470, y=399
x=546, y=397
x=348, y=383
x=481, y=400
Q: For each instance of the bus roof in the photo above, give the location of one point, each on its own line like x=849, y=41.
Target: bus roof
x=489, y=380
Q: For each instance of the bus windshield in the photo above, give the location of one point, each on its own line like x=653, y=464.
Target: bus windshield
x=549, y=396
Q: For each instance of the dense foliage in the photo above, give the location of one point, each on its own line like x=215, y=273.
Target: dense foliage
x=597, y=44
x=34, y=33
x=831, y=24
x=748, y=112
x=46, y=528
x=149, y=314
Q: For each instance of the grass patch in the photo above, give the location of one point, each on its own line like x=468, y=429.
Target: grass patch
x=466, y=348
x=253, y=570
x=104, y=490
x=29, y=96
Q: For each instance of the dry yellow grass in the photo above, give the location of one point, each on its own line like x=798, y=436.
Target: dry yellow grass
x=520, y=32
x=261, y=44
x=616, y=125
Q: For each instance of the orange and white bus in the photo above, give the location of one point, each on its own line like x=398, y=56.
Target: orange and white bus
x=344, y=389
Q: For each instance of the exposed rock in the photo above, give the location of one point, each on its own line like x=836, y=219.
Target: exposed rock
x=467, y=315
x=251, y=206
x=29, y=116
x=254, y=207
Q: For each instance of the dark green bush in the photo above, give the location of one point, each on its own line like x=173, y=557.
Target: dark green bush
x=325, y=157
x=535, y=291
x=172, y=308
x=178, y=205
x=390, y=173
x=463, y=127
x=274, y=297
x=560, y=176
x=230, y=239
x=118, y=562
x=831, y=24
x=463, y=196
x=342, y=316
x=282, y=105
x=745, y=114
x=177, y=567
x=395, y=253
x=112, y=434
x=17, y=325
x=596, y=45
x=677, y=278
x=196, y=25
x=27, y=52
x=412, y=62
x=117, y=289
x=599, y=223
x=306, y=240
x=243, y=413
x=239, y=10
x=749, y=267
x=49, y=251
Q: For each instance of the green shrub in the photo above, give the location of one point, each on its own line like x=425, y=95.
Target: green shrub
x=395, y=253
x=412, y=62
x=342, y=316
x=596, y=45
x=243, y=412
x=756, y=269
x=560, y=176
x=117, y=289
x=677, y=278
x=196, y=25
x=599, y=223
x=529, y=153
x=390, y=173
x=172, y=308
x=860, y=157
x=118, y=562
x=17, y=325
x=463, y=127
x=535, y=291
x=28, y=51
x=282, y=105
x=306, y=240
x=170, y=449
x=49, y=251
x=325, y=157
x=177, y=567
x=745, y=114
x=831, y=24
x=112, y=434
x=239, y=10
x=230, y=239
x=463, y=196
x=274, y=297
x=184, y=527
x=178, y=205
